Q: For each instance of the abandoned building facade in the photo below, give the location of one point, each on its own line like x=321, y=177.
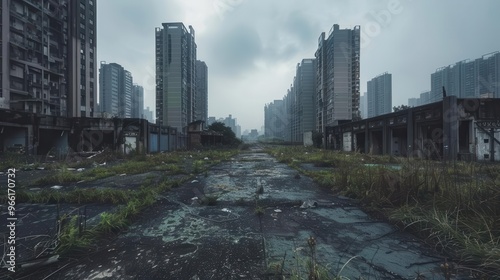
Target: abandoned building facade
x=451, y=129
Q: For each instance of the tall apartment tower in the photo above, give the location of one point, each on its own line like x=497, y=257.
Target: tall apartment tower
x=115, y=91
x=379, y=95
x=338, y=84
x=48, y=56
x=468, y=78
x=201, y=91
x=138, y=102
x=175, y=75
x=303, y=100
x=276, y=120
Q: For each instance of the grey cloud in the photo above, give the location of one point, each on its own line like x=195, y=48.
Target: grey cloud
x=233, y=50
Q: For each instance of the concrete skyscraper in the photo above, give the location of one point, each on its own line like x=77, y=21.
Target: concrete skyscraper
x=276, y=120
x=379, y=95
x=115, y=91
x=175, y=75
x=48, y=54
x=468, y=78
x=201, y=91
x=337, y=75
x=138, y=102
x=303, y=100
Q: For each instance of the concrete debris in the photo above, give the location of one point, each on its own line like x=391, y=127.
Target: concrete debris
x=40, y=262
x=56, y=187
x=309, y=204
x=95, y=154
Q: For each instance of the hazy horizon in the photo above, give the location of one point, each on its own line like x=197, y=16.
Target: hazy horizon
x=252, y=48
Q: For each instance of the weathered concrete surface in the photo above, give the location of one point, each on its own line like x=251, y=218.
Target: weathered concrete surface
x=178, y=238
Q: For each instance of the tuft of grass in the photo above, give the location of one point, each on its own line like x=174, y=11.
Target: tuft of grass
x=210, y=200
x=259, y=210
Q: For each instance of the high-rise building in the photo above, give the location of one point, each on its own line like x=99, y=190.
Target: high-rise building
x=201, y=91
x=175, y=75
x=337, y=75
x=148, y=114
x=276, y=120
x=138, y=102
x=303, y=100
x=48, y=54
x=413, y=102
x=379, y=90
x=468, y=78
x=126, y=100
x=230, y=122
x=363, y=105
x=115, y=91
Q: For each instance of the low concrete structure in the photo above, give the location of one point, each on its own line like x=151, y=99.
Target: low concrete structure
x=199, y=136
x=452, y=129
x=34, y=134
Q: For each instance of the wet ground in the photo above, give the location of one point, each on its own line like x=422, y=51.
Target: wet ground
x=260, y=225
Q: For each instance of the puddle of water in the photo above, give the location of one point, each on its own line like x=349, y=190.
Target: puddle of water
x=389, y=166
x=342, y=216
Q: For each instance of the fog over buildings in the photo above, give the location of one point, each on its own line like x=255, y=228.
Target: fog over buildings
x=257, y=58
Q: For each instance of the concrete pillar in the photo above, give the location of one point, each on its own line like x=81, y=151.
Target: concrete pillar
x=450, y=128
x=410, y=133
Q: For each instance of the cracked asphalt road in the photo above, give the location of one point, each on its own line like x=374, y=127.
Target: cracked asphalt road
x=178, y=238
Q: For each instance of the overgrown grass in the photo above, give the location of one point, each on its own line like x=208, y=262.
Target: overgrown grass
x=129, y=203
x=305, y=267
x=455, y=205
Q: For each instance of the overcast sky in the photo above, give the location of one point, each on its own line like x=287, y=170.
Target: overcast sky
x=252, y=47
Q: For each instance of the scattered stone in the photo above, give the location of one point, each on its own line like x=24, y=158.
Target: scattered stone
x=40, y=168
x=277, y=210
x=309, y=204
x=194, y=181
x=35, y=189
x=80, y=169
x=56, y=187
x=206, y=158
x=70, y=169
x=81, y=181
x=194, y=198
x=297, y=176
x=226, y=210
x=123, y=174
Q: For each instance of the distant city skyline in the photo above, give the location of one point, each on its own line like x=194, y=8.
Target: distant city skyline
x=252, y=63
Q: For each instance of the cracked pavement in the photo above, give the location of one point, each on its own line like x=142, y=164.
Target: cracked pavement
x=179, y=238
